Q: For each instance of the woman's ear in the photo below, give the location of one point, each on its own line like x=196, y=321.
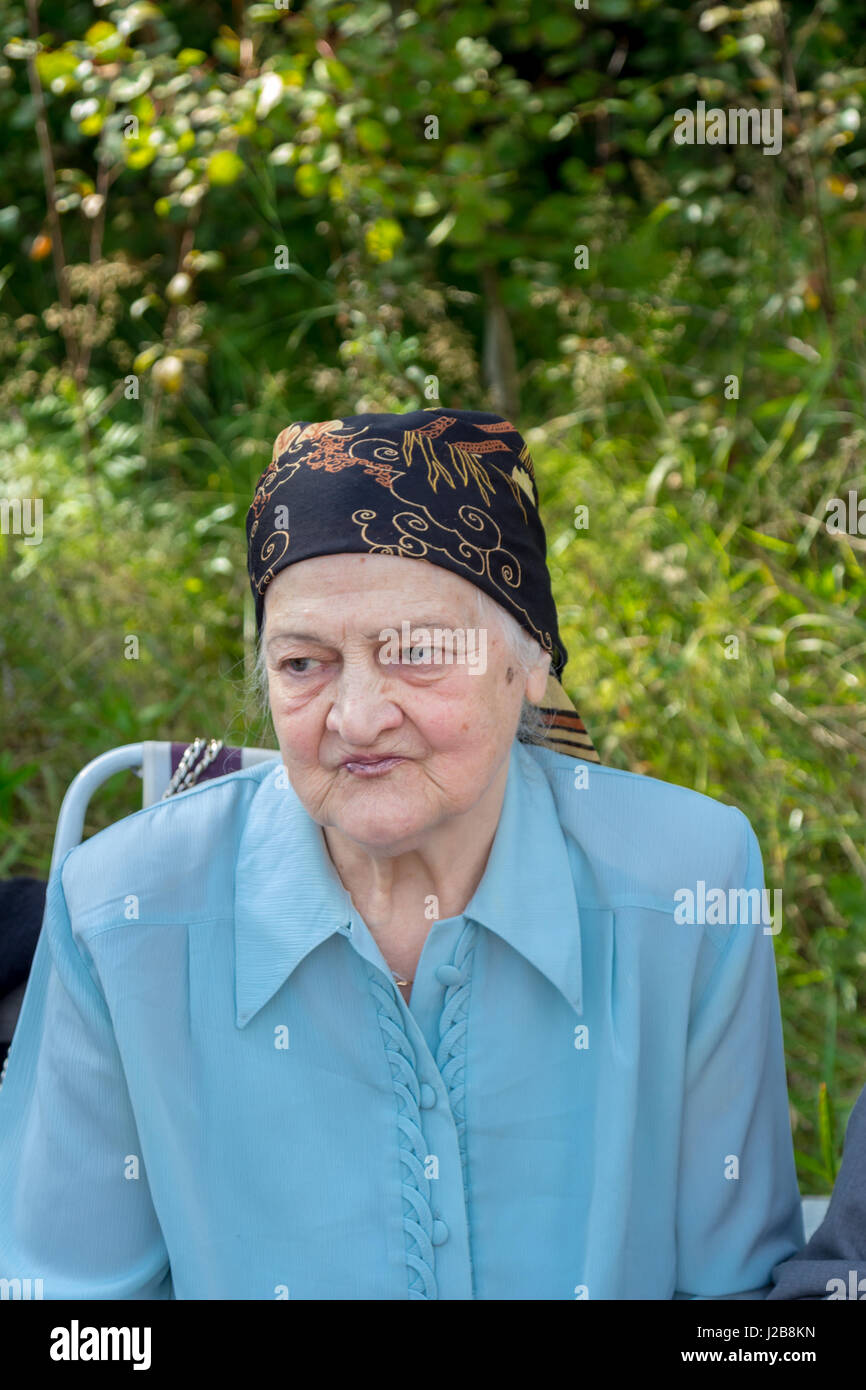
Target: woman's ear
x=536, y=680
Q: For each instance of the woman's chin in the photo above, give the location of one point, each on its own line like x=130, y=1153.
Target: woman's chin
x=379, y=818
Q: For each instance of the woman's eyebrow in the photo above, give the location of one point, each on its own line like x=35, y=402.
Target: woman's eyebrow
x=414, y=623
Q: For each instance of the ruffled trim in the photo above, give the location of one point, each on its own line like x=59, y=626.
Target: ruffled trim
x=451, y=1052
x=417, y=1215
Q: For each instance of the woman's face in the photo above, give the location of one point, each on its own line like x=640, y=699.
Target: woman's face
x=339, y=688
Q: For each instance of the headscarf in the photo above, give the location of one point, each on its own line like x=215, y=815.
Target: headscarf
x=453, y=487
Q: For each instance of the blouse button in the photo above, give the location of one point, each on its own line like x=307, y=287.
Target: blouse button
x=428, y=1096
x=449, y=975
x=439, y=1234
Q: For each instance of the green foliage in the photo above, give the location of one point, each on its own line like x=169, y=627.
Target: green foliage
x=267, y=215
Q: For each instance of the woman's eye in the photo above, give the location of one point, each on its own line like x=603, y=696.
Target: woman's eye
x=420, y=655
x=293, y=664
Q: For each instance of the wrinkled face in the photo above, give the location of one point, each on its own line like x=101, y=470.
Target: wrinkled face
x=383, y=736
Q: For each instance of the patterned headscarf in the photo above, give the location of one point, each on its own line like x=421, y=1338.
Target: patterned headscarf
x=453, y=487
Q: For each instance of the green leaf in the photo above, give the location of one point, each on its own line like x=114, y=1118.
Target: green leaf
x=9, y=219
x=265, y=14
x=99, y=32
x=663, y=210
x=469, y=229
x=372, y=136
x=224, y=167
x=768, y=542
x=462, y=159
x=810, y=1165
x=825, y=1132
x=848, y=893
x=59, y=63
x=310, y=180
x=139, y=156
x=442, y=229
x=382, y=238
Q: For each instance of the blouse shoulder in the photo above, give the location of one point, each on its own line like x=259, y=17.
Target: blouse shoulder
x=171, y=854
x=650, y=836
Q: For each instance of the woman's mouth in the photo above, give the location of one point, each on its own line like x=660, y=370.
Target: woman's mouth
x=372, y=767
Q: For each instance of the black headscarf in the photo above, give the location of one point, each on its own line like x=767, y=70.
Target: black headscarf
x=453, y=487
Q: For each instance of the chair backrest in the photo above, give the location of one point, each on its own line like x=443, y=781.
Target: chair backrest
x=814, y=1211
x=156, y=763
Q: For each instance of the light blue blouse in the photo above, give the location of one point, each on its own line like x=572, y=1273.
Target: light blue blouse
x=216, y=1090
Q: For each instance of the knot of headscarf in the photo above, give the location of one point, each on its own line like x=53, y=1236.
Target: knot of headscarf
x=453, y=487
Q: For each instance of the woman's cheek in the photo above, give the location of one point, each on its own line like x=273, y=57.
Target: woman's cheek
x=290, y=698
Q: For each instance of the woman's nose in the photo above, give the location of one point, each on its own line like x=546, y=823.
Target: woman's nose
x=362, y=707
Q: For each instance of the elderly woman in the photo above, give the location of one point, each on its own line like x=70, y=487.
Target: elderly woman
x=413, y=1012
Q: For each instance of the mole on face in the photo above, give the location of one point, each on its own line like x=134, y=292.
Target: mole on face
x=509, y=675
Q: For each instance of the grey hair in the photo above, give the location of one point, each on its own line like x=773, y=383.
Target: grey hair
x=522, y=648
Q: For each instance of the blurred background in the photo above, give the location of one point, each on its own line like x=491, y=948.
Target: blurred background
x=219, y=218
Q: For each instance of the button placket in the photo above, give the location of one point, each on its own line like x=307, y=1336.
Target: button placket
x=455, y=977
x=449, y=975
x=418, y=1218
x=428, y=1131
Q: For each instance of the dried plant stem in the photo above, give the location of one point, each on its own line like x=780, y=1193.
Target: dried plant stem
x=48, y=175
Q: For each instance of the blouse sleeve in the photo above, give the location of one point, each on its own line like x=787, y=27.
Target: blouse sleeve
x=75, y=1206
x=738, y=1203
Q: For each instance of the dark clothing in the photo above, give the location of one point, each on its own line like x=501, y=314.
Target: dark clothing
x=833, y=1263
x=22, y=906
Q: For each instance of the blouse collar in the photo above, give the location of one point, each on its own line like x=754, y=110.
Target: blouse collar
x=526, y=894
